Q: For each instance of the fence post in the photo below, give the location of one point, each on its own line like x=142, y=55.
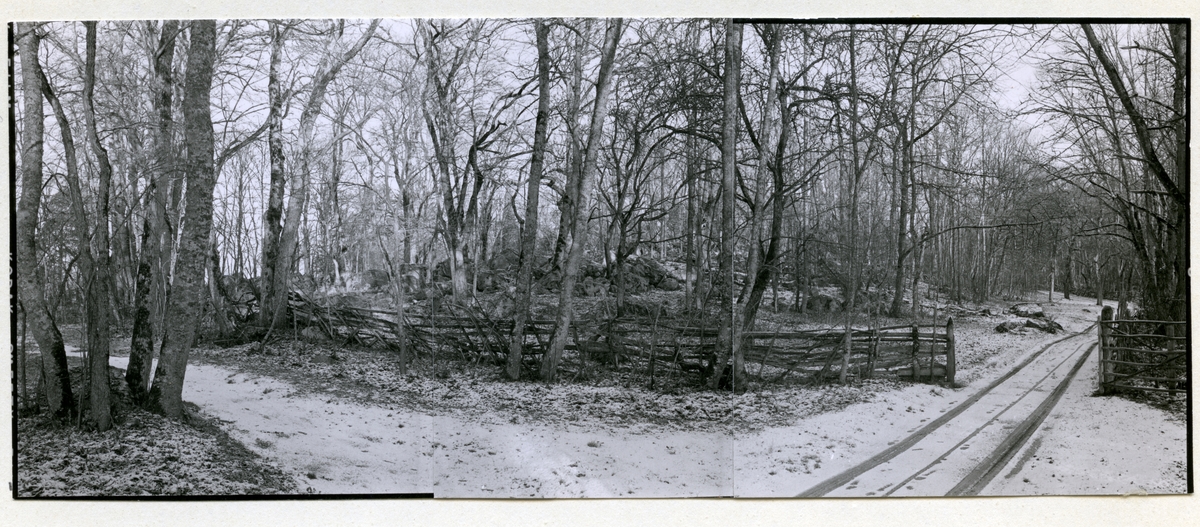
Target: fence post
x=873, y=353
x=1106, y=315
x=932, y=351
x=951, y=364
x=916, y=354
x=849, y=347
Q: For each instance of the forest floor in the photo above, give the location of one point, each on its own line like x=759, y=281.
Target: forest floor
x=144, y=454
x=344, y=421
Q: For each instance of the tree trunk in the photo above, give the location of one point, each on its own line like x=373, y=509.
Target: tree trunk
x=763, y=172
x=1069, y=284
x=904, y=178
x=187, y=303
x=99, y=295
x=1053, y=271
x=272, y=228
x=22, y=358
x=1179, y=105
x=141, y=346
x=727, y=340
x=570, y=191
x=855, y=176
x=398, y=283
x=582, y=207
x=59, y=398
x=290, y=235
x=530, y=228
x=767, y=271
x=689, y=237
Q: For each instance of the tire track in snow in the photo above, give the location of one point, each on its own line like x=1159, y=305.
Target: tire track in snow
x=848, y=482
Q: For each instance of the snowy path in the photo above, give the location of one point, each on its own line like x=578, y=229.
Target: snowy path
x=957, y=452
x=1035, y=431
x=326, y=445
x=933, y=438
x=333, y=446
x=1098, y=445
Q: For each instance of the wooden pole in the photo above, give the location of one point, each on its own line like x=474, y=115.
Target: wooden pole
x=1106, y=315
x=1053, y=271
x=951, y=361
x=848, y=346
x=916, y=350
x=874, y=353
x=932, y=353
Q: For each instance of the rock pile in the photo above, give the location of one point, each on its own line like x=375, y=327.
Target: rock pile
x=1033, y=317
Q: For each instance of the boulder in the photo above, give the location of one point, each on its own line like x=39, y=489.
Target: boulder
x=238, y=289
x=1043, y=324
x=636, y=284
x=591, y=286
x=313, y=334
x=669, y=284
x=648, y=272
x=507, y=258
x=822, y=302
x=591, y=270
x=441, y=271
x=376, y=279
x=1027, y=310
x=1010, y=326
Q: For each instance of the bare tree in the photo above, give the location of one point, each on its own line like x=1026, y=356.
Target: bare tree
x=99, y=332
x=529, y=227
x=188, y=292
x=466, y=107
x=728, y=341
x=1116, y=98
x=582, y=207
x=59, y=398
x=150, y=257
x=289, y=237
x=274, y=206
x=1172, y=289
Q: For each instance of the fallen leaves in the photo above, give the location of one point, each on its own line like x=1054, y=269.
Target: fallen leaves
x=144, y=454
x=159, y=457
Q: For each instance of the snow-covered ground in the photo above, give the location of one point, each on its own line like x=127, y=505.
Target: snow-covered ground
x=332, y=444
x=1099, y=445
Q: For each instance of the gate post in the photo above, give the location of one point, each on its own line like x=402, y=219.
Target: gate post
x=951, y=364
x=1106, y=315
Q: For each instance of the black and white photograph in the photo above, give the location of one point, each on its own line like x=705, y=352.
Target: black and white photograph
x=545, y=258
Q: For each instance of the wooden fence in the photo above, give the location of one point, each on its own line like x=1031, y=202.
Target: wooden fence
x=917, y=352
x=1145, y=355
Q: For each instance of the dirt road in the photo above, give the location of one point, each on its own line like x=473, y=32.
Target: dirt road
x=961, y=451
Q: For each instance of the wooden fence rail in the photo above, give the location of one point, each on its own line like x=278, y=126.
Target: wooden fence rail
x=918, y=352
x=1143, y=355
